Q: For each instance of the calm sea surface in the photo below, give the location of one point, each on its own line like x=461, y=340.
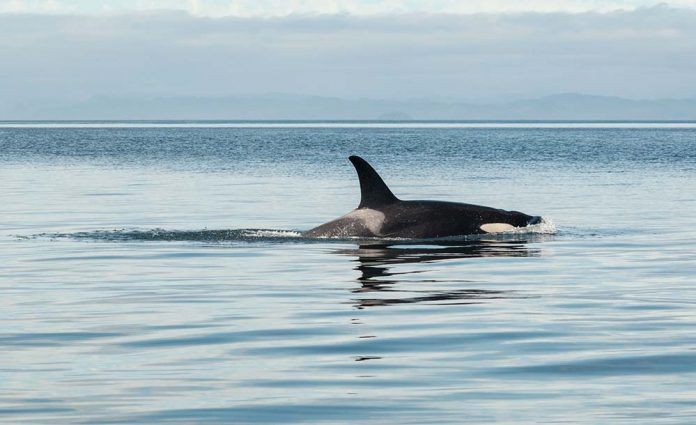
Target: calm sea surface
x=153, y=274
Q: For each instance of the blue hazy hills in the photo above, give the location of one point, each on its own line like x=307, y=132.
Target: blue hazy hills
x=278, y=106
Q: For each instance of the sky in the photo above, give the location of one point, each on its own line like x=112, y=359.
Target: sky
x=67, y=51
x=268, y=8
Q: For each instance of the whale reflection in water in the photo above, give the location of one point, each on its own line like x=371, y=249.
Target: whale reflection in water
x=377, y=264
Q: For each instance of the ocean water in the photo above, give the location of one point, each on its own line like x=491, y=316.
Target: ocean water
x=154, y=273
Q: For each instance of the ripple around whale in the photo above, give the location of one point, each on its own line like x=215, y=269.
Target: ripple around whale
x=381, y=263
x=167, y=235
x=546, y=227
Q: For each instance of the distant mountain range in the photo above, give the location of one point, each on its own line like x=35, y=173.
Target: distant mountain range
x=570, y=106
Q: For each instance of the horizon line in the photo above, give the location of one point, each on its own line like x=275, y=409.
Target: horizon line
x=179, y=123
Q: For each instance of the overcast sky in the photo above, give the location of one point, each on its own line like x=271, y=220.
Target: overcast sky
x=71, y=50
x=218, y=8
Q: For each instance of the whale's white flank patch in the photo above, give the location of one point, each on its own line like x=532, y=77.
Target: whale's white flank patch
x=371, y=219
x=496, y=227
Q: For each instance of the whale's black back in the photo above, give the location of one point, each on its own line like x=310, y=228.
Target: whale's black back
x=432, y=219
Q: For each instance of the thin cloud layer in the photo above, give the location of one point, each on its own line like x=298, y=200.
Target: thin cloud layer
x=645, y=53
x=275, y=8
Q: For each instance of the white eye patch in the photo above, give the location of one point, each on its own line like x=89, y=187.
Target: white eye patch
x=496, y=227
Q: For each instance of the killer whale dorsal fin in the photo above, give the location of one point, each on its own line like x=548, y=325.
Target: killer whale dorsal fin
x=373, y=191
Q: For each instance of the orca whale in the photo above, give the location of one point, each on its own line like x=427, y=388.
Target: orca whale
x=382, y=215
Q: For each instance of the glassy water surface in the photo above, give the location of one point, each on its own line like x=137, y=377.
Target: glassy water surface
x=156, y=275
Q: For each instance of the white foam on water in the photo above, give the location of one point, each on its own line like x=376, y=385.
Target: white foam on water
x=545, y=227
x=262, y=233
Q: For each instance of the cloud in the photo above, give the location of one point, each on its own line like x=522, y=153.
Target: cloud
x=644, y=53
x=275, y=8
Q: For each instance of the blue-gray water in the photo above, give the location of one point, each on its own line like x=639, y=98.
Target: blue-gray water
x=131, y=293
